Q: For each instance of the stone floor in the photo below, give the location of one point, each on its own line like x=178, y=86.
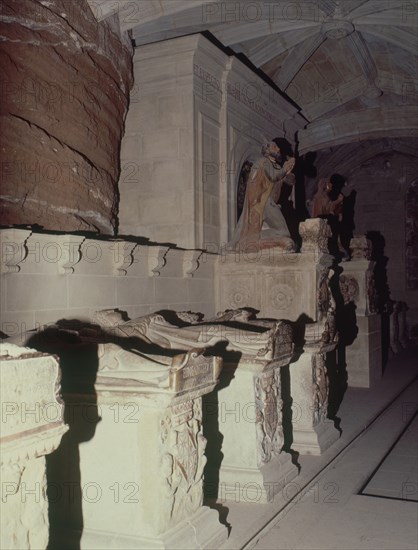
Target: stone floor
x=361, y=493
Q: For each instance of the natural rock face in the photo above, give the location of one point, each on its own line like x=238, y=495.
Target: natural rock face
x=64, y=98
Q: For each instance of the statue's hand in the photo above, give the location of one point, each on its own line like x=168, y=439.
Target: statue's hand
x=290, y=179
x=289, y=165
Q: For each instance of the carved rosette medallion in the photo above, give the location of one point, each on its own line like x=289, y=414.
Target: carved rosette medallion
x=183, y=461
x=281, y=296
x=320, y=388
x=239, y=296
x=337, y=29
x=268, y=415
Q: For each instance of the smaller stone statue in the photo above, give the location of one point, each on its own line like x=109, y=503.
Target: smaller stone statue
x=322, y=203
x=325, y=207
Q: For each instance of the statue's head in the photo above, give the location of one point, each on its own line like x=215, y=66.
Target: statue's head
x=324, y=185
x=272, y=151
x=285, y=147
x=337, y=182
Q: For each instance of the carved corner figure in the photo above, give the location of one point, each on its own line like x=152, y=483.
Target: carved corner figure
x=262, y=224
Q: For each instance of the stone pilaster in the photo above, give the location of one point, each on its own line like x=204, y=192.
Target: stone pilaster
x=313, y=433
x=253, y=467
x=364, y=355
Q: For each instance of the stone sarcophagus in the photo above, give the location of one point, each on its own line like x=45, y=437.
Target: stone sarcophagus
x=253, y=466
x=139, y=483
x=32, y=426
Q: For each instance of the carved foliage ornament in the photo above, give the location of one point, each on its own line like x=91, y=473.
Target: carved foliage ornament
x=183, y=461
x=268, y=415
x=280, y=342
x=324, y=295
x=320, y=388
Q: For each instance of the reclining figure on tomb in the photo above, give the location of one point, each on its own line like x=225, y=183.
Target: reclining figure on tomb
x=110, y=357
x=263, y=340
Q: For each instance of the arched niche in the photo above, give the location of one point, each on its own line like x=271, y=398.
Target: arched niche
x=245, y=150
x=242, y=187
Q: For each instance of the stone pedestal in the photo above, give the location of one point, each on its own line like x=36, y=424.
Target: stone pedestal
x=364, y=355
x=253, y=467
x=296, y=287
x=277, y=283
x=140, y=478
x=31, y=427
x=313, y=433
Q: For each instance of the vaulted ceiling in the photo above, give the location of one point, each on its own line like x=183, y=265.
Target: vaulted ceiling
x=350, y=65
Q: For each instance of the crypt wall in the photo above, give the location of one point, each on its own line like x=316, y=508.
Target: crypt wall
x=380, y=176
x=196, y=115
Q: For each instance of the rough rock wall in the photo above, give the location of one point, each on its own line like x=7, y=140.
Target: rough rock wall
x=65, y=89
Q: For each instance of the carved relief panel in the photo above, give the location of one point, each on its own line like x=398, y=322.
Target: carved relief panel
x=183, y=461
x=268, y=415
x=320, y=387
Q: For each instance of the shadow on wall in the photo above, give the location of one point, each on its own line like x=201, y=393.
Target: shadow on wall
x=383, y=301
x=79, y=364
x=299, y=327
x=211, y=430
x=336, y=362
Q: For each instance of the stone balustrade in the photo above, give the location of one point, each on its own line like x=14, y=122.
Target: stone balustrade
x=46, y=277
